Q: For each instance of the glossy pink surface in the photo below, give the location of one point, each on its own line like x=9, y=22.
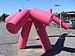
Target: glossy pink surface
x=39, y=18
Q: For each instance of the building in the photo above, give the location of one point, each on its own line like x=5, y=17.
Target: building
x=68, y=17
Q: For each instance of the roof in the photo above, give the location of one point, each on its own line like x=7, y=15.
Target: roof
x=71, y=12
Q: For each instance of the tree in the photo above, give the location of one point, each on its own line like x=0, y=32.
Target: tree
x=3, y=16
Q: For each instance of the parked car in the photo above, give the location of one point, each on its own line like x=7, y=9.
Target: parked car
x=71, y=23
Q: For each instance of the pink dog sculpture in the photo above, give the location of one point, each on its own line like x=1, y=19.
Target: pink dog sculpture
x=24, y=20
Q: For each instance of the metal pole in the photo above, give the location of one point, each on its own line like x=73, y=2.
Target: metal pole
x=56, y=5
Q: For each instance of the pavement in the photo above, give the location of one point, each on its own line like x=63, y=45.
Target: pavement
x=8, y=42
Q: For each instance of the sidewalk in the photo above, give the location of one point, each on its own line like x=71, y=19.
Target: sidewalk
x=8, y=43
x=37, y=52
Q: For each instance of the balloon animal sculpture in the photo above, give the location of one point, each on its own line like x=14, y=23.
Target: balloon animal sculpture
x=24, y=19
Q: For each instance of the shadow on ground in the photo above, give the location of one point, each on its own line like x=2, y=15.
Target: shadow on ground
x=57, y=48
